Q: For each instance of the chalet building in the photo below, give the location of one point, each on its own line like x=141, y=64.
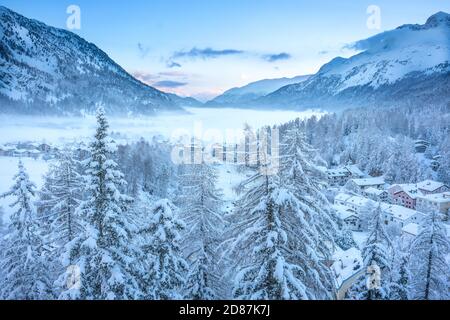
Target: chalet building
x=348, y=216
x=340, y=176
x=434, y=202
x=6, y=151
x=43, y=147
x=401, y=216
x=432, y=187
x=337, y=177
x=360, y=185
x=349, y=208
x=407, y=194
x=404, y=195
x=376, y=194
x=355, y=203
x=421, y=146
x=355, y=172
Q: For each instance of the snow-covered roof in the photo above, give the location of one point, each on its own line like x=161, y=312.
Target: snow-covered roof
x=342, y=197
x=411, y=228
x=430, y=185
x=374, y=191
x=341, y=172
x=369, y=181
x=355, y=170
x=354, y=200
x=346, y=264
x=7, y=148
x=344, y=212
x=437, y=197
x=359, y=201
x=399, y=212
x=410, y=189
x=322, y=169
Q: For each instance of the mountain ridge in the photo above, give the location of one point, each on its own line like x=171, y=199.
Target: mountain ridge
x=383, y=73
x=46, y=70
x=252, y=91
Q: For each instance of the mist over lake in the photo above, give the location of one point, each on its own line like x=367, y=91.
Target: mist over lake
x=57, y=130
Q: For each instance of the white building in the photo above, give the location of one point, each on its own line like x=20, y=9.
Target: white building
x=356, y=203
x=376, y=194
x=349, y=208
x=434, y=202
x=359, y=185
x=340, y=176
x=348, y=216
x=432, y=187
x=399, y=215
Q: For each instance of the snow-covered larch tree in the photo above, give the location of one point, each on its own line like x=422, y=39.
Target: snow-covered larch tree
x=266, y=229
x=60, y=196
x=428, y=265
x=166, y=269
x=102, y=253
x=300, y=174
x=201, y=206
x=398, y=289
x=22, y=259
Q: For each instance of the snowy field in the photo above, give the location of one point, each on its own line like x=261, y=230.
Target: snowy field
x=206, y=121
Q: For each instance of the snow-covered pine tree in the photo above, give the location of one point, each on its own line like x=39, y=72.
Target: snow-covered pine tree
x=22, y=258
x=429, y=268
x=102, y=252
x=300, y=174
x=166, y=270
x=345, y=239
x=376, y=256
x=201, y=204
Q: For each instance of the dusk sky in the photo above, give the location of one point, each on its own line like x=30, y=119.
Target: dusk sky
x=201, y=48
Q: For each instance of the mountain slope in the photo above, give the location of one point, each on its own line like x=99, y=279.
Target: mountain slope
x=246, y=94
x=408, y=65
x=44, y=70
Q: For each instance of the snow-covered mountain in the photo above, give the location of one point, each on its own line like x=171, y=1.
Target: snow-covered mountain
x=244, y=95
x=406, y=66
x=44, y=70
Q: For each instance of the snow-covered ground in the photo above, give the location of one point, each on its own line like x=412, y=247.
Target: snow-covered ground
x=208, y=123
x=228, y=178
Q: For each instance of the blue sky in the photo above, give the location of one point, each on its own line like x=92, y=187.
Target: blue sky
x=201, y=48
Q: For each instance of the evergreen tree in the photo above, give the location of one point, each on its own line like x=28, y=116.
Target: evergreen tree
x=345, y=239
x=429, y=278
x=22, y=257
x=201, y=205
x=166, y=268
x=102, y=252
x=377, y=261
